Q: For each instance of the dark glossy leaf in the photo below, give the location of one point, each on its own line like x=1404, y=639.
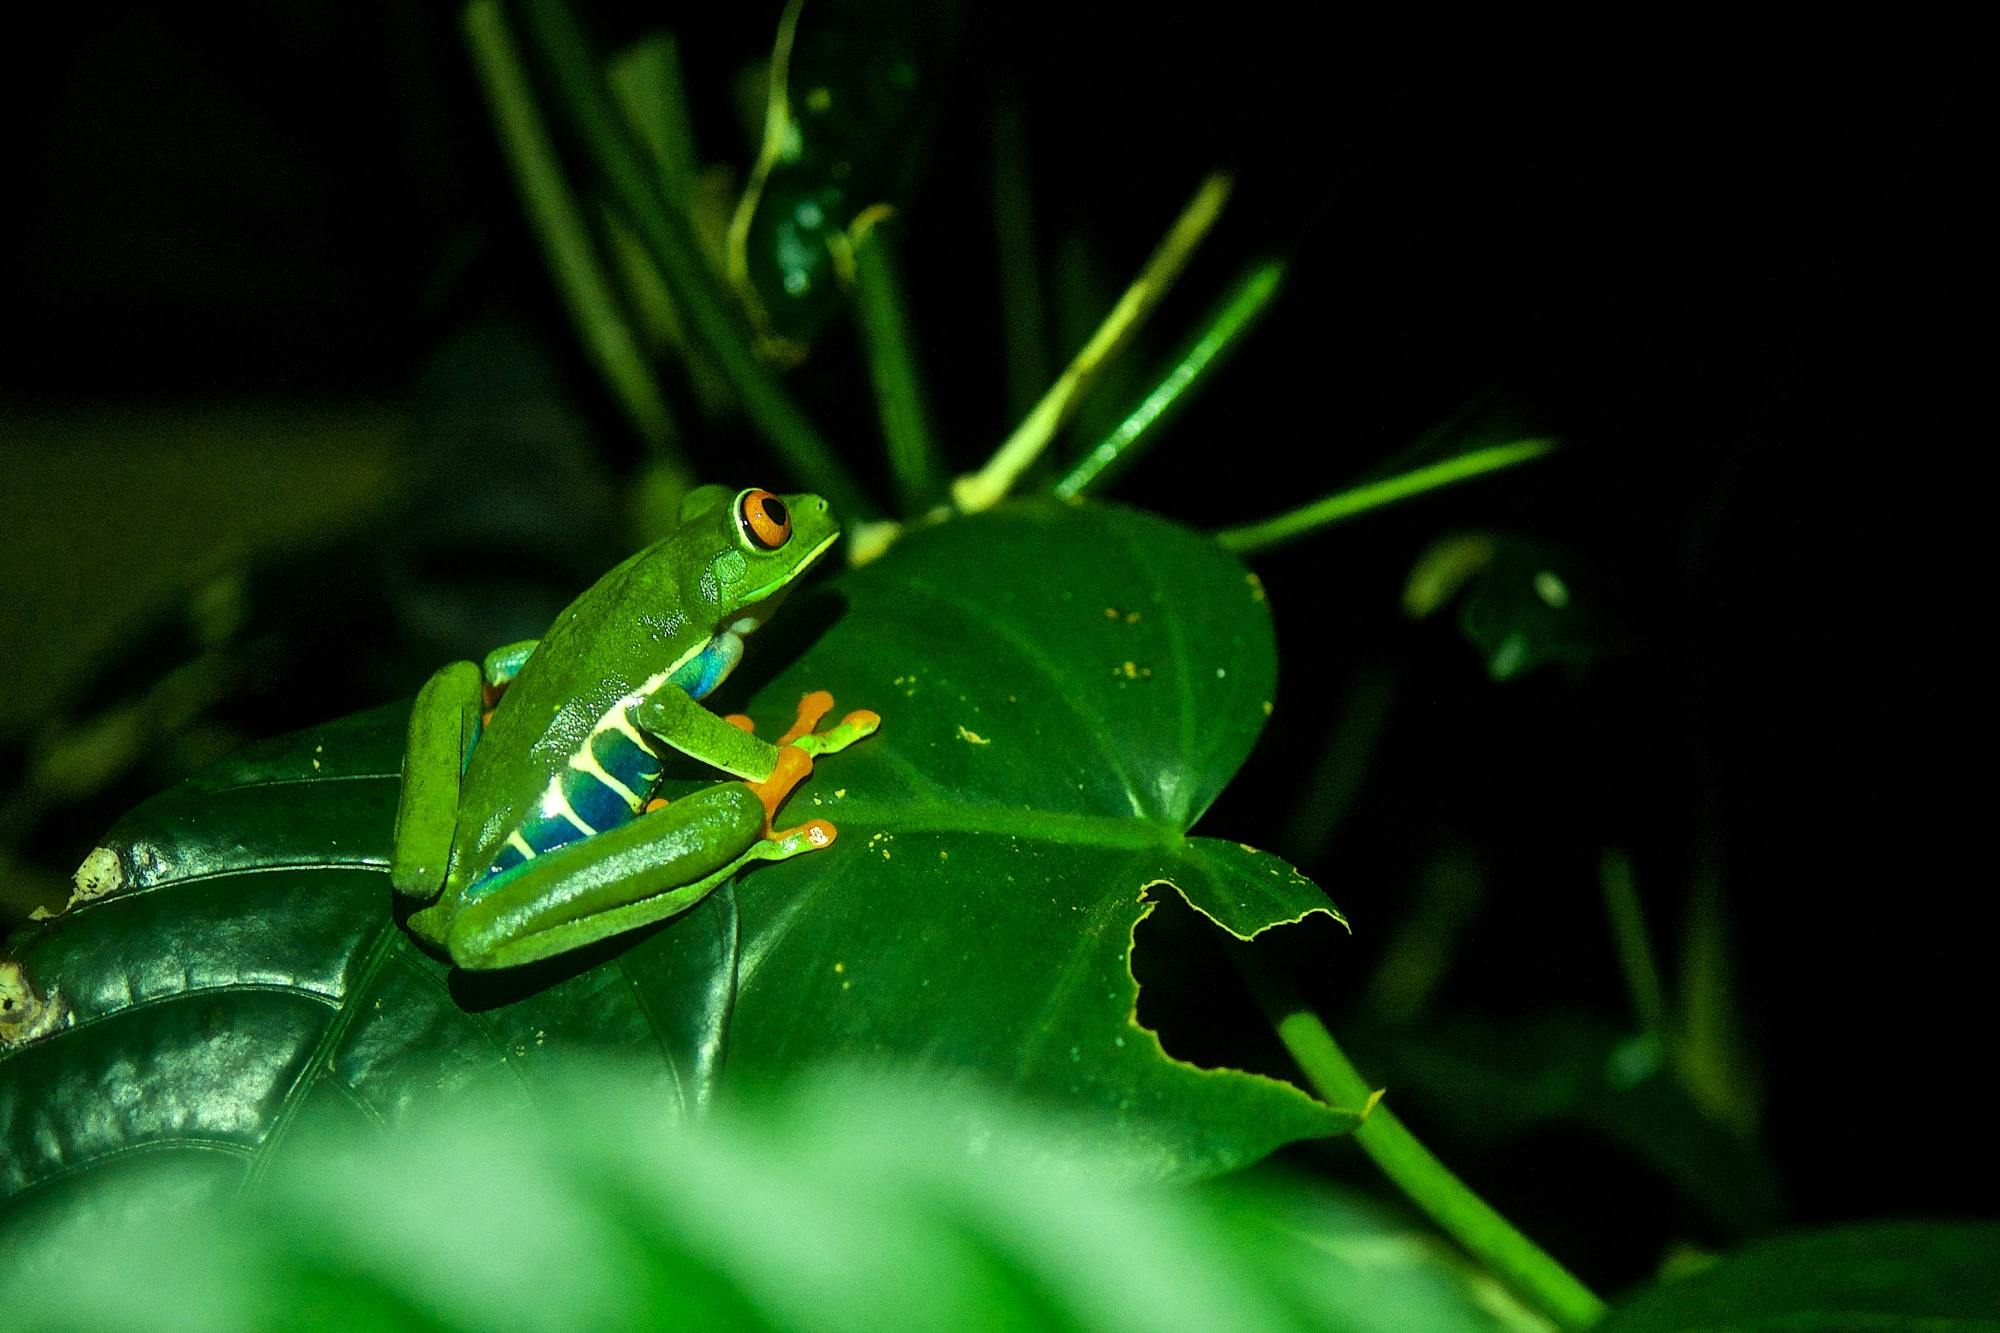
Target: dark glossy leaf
x=236, y=970
x=854, y=1205
x=856, y=88
x=1063, y=689
x=1937, y=1277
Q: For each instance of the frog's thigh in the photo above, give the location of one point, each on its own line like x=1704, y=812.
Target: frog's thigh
x=444, y=724
x=624, y=877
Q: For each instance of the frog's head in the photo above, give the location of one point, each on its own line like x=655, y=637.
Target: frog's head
x=752, y=545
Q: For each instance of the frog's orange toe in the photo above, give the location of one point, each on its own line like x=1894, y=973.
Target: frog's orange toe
x=862, y=717
x=741, y=721
x=657, y=803
x=812, y=708
x=794, y=765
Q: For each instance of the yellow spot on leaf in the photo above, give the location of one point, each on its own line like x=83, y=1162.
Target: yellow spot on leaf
x=100, y=873
x=840, y=967
x=25, y=1015
x=972, y=737
x=1256, y=587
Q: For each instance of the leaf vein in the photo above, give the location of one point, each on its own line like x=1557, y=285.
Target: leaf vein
x=380, y=950
x=1087, y=719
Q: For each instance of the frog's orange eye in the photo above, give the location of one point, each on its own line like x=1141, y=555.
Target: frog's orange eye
x=765, y=519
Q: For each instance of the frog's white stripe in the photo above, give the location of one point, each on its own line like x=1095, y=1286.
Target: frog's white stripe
x=615, y=720
x=583, y=761
x=555, y=802
x=520, y=844
x=618, y=717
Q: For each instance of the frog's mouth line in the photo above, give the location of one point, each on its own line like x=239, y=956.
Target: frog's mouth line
x=752, y=617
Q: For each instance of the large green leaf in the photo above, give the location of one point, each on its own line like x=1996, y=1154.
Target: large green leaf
x=852, y=1205
x=1926, y=1277
x=236, y=971
x=1064, y=690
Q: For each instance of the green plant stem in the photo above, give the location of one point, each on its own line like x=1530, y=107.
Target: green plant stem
x=1635, y=948
x=646, y=79
x=1218, y=334
x=1024, y=313
x=1342, y=505
x=892, y=366
x=710, y=319
x=1429, y=1184
x=990, y=485
x=567, y=245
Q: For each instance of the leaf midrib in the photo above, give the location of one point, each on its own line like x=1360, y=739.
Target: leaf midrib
x=1108, y=832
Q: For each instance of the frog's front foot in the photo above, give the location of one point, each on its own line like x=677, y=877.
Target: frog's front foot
x=801, y=734
x=856, y=725
x=796, y=750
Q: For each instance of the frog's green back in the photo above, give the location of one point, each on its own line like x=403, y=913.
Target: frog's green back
x=620, y=641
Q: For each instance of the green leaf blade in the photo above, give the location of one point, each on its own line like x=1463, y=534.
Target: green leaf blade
x=1935, y=1276
x=1064, y=690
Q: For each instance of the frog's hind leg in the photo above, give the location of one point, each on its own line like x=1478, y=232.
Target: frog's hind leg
x=444, y=726
x=622, y=878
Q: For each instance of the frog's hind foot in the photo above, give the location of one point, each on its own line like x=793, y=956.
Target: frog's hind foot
x=810, y=836
x=794, y=767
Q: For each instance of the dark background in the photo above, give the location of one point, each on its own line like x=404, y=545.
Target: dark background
x=1743, y=271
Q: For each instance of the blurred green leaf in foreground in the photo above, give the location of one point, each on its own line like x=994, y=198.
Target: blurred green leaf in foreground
x=855, y=1203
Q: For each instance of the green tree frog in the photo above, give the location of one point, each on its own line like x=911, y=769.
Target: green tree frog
x=527, y=810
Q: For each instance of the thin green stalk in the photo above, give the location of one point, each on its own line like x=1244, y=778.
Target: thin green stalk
x=1429, y=1184
x=1713, y=1054
x=1342, y=505
x=1024, y=313
x=1217, y=335
x=892, y=366
x=713, y=322
x=646, y=78
x=565, y=237
x=990, y=485
x=1635, y=947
